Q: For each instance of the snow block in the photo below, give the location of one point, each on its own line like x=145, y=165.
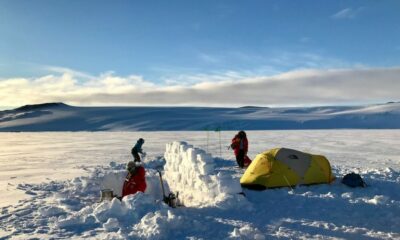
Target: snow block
x=192, y=172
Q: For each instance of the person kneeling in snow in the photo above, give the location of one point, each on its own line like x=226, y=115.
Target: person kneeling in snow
x=135, y=180
x=240, y=146
x=138, y=149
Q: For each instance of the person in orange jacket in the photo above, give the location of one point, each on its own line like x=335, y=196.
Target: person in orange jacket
x=135, y=180
x=240, y=146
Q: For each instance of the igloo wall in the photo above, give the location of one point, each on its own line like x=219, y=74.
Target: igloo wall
x=193, y=173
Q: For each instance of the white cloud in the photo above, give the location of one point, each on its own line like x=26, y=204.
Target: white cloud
x=347, y=13
x=308, y=87
x=248, y=64
x=62, y=70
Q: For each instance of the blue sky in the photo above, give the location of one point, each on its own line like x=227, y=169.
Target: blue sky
x=182, y=43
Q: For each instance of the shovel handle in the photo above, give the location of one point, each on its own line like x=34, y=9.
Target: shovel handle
x=162, y=184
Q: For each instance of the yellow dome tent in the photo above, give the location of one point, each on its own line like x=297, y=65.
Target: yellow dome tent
x=283, y=167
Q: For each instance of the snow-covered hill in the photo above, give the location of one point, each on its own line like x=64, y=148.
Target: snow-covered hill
x=62, y=117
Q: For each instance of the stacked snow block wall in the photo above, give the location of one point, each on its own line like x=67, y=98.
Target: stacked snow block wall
x=192, y=172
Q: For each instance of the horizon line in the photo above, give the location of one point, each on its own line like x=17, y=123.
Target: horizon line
x=5, y=108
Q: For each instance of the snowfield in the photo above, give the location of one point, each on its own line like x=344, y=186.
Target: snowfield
x=50, y=184
x=62, y=117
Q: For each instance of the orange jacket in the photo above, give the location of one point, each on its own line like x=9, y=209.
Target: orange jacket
x=135, y=183
x=236, y=145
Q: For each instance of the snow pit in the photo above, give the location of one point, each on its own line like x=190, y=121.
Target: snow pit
x=114, y=180
x=192, y=172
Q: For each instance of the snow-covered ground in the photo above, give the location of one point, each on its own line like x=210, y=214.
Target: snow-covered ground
x=50, y=183
x=61, y=117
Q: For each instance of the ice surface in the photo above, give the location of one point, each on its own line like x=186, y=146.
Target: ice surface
x=61, y=174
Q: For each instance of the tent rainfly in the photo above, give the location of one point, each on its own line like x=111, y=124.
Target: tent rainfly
x=283, y=167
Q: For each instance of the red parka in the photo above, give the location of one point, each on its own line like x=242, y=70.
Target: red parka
x=236, y=145
x=135, y=183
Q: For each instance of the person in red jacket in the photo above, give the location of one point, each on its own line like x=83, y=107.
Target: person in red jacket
x=240, y=146
x=135, y=180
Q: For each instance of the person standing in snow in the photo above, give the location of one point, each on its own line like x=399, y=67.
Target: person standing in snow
x=138, y=149
x=135, y=180
x=240, y=147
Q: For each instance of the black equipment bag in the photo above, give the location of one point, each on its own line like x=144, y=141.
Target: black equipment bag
x=353, y=180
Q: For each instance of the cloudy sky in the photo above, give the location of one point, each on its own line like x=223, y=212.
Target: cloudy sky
x=202, y=53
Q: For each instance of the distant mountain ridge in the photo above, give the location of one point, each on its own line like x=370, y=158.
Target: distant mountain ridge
x=62, y=117
x=41, y=106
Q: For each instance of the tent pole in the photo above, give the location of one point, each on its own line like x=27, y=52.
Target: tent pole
x=220, y=146
x=207, y=140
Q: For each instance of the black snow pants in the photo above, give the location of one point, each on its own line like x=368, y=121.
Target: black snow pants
x=240, y=158
x=135, y=155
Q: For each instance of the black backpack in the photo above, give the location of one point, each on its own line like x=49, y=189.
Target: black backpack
x=353, y=180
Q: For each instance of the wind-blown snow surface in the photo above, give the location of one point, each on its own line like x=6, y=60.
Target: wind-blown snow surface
x=40, y=164
x=61, y=117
